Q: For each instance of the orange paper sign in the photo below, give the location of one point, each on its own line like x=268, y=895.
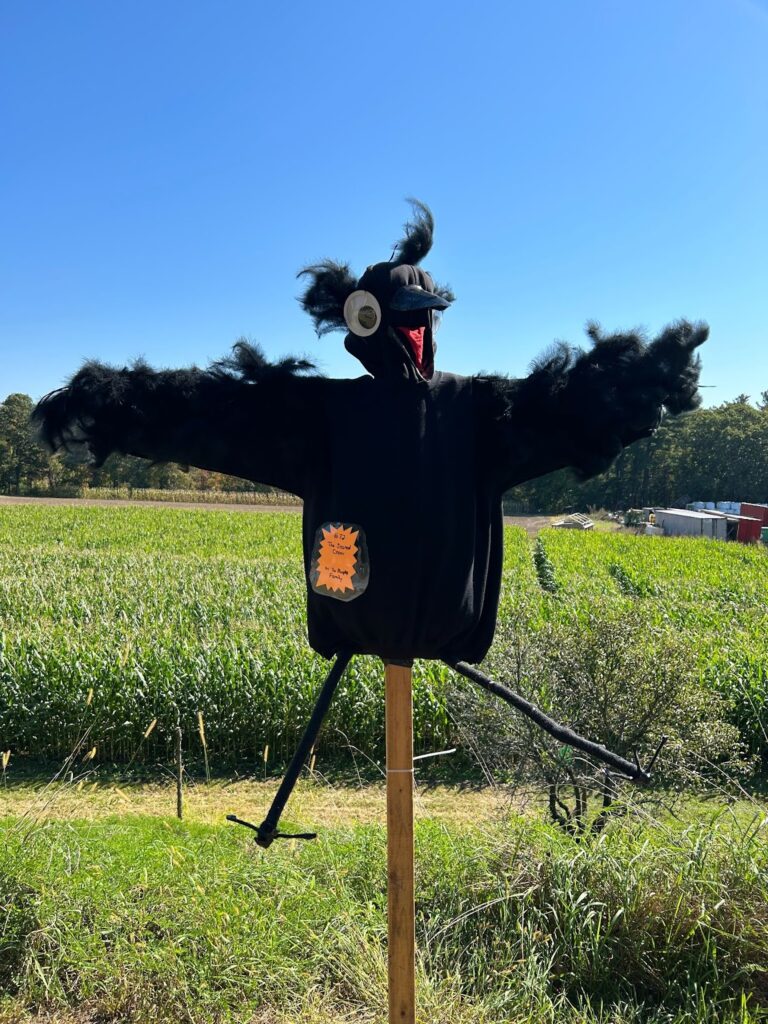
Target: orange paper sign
x=339, y=563
x=336, y=564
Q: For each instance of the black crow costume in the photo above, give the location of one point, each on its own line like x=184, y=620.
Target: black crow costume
x=402, y=470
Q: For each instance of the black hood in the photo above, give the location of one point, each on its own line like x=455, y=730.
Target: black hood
x=390, y=313
x=407, y=299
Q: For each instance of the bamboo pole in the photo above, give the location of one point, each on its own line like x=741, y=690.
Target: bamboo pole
x=400, y=898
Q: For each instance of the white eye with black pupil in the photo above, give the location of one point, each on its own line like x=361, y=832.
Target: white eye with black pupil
x=362, y=313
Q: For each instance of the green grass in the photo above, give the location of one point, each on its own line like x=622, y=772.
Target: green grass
x=159, y=609
x=110, y=618
x=317, y=801
x=146, y=919
x=159, y=531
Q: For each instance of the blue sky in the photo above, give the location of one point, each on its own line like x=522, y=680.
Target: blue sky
x=167, y=167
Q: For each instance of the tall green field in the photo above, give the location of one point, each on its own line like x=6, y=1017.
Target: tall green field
x=712, y=594
x=112, y=618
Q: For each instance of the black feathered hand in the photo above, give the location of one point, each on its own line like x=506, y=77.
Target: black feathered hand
x=243, y=416
x=580, y=409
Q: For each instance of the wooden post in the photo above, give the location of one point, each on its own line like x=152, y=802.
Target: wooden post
x=400, y=900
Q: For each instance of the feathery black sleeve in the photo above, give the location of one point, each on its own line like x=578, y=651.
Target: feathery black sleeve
x=243, y=416
x=579, y=409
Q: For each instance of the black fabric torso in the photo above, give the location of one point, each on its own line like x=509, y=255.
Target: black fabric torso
x=403, y=461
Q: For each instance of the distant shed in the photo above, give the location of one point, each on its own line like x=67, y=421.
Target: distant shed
x=682, y=522
x=745, y=529
x=757, y=511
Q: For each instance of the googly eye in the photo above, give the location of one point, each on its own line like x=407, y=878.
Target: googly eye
x=362, y=313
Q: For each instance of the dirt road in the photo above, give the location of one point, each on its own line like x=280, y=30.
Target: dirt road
x=222, y=506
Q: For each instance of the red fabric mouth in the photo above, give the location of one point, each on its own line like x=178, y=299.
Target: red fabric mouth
x=415, y=336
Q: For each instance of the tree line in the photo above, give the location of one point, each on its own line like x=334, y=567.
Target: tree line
x=715, y=454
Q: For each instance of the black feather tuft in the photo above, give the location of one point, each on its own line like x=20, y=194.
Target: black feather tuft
x=555, y=361
x=88, y=411
x=248, y=362
x=331, y=285
x=672, y=356
x=445, y=292
x=419, y=231
x=620, y=387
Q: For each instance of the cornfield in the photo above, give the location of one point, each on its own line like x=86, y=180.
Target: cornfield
x=184, y=495
x=113, y=620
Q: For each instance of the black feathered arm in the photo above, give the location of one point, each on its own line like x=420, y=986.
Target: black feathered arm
x=579, y=409
x=243, y=416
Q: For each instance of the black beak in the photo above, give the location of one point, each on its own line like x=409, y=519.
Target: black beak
x=412, y=296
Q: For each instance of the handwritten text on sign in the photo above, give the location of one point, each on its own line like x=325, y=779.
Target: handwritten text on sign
x=339, y=563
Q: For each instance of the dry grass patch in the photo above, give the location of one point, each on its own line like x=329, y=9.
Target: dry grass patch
x=314, y=801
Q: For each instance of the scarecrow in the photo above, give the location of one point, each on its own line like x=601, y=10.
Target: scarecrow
x=401, y=470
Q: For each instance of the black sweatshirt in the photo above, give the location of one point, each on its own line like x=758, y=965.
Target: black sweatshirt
x=403, y=462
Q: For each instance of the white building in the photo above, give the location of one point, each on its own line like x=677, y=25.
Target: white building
x=681, y=522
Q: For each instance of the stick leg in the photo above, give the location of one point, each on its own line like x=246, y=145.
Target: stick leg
x=267, y=832
x=559, y=732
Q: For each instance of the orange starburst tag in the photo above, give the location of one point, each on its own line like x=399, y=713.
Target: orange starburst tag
x=338, y=554
x=339, y=565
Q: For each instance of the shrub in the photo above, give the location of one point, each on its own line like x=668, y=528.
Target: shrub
x=618, y=680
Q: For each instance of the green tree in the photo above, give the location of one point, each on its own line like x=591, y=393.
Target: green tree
x=23, y=461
